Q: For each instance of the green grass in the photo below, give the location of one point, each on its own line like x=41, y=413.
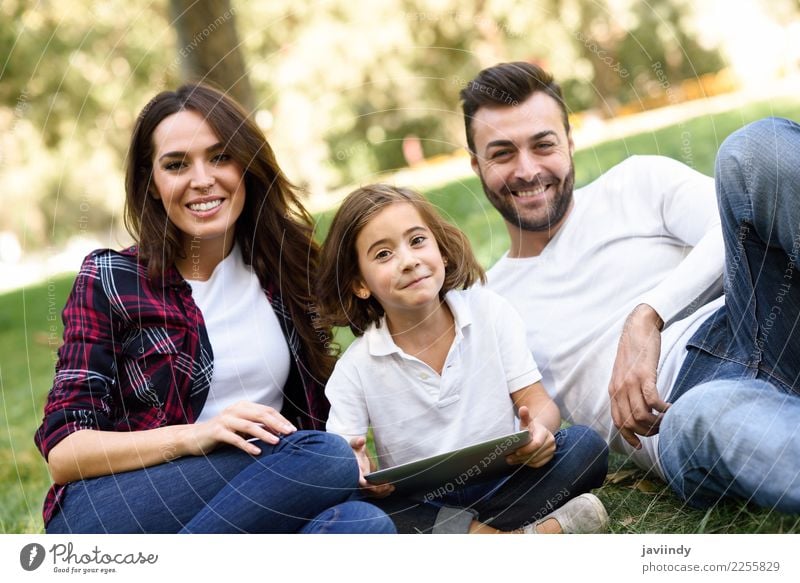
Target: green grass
x=30, y=333
x=30, y=330
x=641, y=504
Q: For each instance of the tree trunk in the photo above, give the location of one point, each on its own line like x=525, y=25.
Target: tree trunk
x=208, y=46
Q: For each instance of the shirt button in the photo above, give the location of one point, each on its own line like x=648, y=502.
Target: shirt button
x=424, y=376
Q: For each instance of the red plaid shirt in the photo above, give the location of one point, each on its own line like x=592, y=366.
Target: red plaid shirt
x=136, y=356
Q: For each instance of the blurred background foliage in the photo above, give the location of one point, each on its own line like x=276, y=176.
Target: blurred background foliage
x=344, y=89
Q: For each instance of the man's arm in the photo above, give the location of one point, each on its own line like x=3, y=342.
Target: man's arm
x=687, y=204
x=633, y=391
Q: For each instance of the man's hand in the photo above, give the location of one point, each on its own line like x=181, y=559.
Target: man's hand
x=359, y=446
x=540, y=449
x=633, y=391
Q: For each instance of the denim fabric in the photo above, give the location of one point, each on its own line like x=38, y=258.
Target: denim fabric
x=734, y=438
x=513, y=501
x=351, y=517
x=303, y=483
x=733, y=427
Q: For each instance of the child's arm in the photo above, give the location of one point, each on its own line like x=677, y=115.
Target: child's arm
x=365, y=466
x=540, y=415
x=349, y=418
x=540, y=406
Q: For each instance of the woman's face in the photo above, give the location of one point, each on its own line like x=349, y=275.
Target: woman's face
x=200, y=186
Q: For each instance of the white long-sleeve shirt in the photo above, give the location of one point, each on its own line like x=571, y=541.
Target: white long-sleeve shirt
x=647, y=231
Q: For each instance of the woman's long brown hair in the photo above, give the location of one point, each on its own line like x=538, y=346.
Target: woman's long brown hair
x=274, y=231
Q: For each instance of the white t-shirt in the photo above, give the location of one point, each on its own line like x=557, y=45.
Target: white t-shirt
x=413, y=411
x=648, y=232
x=251, y=357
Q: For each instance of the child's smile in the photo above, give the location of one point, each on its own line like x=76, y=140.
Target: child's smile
x=400, y=262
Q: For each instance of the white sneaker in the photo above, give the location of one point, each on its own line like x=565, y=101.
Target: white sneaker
x=584, y=514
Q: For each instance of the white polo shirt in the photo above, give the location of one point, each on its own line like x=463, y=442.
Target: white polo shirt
x=413, y=411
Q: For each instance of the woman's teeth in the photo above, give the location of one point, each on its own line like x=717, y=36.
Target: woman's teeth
x=205, y=206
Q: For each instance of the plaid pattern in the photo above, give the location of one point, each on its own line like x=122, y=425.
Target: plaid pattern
x=136, y=356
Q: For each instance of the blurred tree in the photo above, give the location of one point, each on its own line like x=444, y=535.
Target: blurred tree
x=72, y=77
x=209, y=46
x=336, y=84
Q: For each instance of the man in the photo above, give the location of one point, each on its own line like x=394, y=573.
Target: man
x=619, y=286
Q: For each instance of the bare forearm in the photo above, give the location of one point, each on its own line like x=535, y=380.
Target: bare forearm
x=91, y=453
x=549, y=416
x=633, y=388
x=540, y=405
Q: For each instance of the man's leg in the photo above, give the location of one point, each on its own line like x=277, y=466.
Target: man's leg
x=758, y=189
x=715, y=438
x=734, y=438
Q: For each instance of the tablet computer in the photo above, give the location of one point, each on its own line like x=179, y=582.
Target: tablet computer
x=453, y=469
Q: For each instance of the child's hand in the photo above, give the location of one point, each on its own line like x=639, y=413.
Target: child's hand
x=359, y=445
x=540, y=449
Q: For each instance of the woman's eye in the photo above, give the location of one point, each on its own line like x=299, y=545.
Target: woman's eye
x=383, y=254
x=221, y=158
x=417, y=240
x=175, y=165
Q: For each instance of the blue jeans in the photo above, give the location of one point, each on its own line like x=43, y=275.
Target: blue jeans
x=522, y=497
x=302, y=484
x=734, y=426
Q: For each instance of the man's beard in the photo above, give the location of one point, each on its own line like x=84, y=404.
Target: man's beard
x=553, y=210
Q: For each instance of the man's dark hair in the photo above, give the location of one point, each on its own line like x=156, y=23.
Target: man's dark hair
x=507, y=85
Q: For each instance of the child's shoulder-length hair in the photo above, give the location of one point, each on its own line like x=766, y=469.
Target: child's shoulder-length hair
x=339, y=306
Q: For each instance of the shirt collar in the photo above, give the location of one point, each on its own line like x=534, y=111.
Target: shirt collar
x=380, y=341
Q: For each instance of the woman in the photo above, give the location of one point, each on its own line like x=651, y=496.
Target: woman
x=191, y=360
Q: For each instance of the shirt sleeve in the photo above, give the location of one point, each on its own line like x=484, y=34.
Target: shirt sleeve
x=687, y=202
x=348, y=415
x=518, y=363
x=81, y=394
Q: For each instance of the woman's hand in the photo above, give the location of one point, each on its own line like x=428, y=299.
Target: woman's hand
x=359, y=445
x=235, y=425
x=91, y=453
x=540, y=449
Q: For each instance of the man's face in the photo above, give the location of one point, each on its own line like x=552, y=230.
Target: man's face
x=523, y=156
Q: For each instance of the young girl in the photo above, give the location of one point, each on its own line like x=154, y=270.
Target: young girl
x=436, y=366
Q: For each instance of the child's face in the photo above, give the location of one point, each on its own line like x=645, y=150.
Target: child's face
x=399, y=261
